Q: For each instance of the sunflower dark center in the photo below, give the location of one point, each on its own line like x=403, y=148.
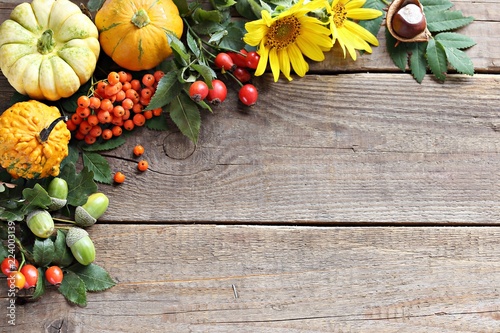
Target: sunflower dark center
x=339, y=16
x=283, y=32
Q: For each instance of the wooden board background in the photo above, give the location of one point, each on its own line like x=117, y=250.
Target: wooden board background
x=351, y=200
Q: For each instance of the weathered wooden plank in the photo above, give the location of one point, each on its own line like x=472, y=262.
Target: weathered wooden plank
x=356, y=148
x=284, y=279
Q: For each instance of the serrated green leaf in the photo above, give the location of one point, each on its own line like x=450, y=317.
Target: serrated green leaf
x=99, y=166
x=43, y=251
x=40, y=284
x=178, y=48
x=206, y=72
x=216, y=37
x=157, y=123
x=418, y=62
x=459, y=60
x=435, y=5
x=193, y=44
x=397, y=52
x=454, y=40
x=168, y=88
x=94, y=276
x=110, y=144
x=36, y=197
x=446, y=20
x=436, y=58
x=73, y=289
x=185, y=114
x=80, y=185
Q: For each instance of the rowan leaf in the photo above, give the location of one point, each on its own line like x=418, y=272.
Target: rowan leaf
x=459, y=60
x=397, y=52
x=446, y=20
x=185, y=114
x=436, y=58
x=454, y=40
x=418, y=62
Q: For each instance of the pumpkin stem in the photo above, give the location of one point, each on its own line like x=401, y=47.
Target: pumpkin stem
x=45, y=133
x=140, y=18
x=46, y=42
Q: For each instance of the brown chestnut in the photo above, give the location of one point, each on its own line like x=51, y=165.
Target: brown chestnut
x=406, y=21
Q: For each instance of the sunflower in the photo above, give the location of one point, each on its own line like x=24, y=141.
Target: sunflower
x=285, y=38
x=350, y=35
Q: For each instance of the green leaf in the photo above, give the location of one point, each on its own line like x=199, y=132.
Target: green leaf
x=185, y=114
x=40, y=284
x=459, y=60
x=183, y=7
x=96, y=163
x=43, y=251
x=73, y=154
x=62, y=254
x=454, y=40
x=222, y=4
x=193, y=44
x=94, y=276
x=73, y=289
x=37, y=197
x=435, y=5
x=201, y=15
x=446, y=20
x=249, y=9
x=157, y=123
x=178, y=49
x=233, y=38
x=217, y=36
x=397, y=52
x=110, y=144
x=80, y=185
x=206, y=72
x=418, y=62
x=168, y=88
x=436, y=58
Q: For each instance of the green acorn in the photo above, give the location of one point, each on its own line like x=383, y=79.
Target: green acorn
x=96, y=205
x=58, y=192
x=81, y=245
x=40, y=223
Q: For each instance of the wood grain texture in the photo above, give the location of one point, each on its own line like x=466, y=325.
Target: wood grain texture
x=289, y=279
x=354, y=148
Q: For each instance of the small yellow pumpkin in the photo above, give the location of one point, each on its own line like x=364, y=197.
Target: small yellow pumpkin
x=33, y=140
x=48, y=49
x=133, y=32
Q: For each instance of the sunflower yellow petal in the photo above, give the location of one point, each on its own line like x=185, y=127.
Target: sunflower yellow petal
x=262, y=65
x=361, y=32
x=299, y=64
x=310, y=49
x=284, y=63
x=363, y=13
x=274, y=63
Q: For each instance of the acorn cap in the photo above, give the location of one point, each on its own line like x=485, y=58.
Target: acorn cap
x=74, y=235
x=83, y=218
x=57, y=203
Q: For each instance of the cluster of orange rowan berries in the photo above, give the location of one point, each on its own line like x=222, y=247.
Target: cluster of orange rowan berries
x=116, y=103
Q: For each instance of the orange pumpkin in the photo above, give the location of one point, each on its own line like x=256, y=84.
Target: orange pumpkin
x=134, y=32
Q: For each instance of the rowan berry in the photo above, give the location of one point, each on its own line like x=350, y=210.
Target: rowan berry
x=148, y=80
x=128, y=124
x=157, y=112
x=148, y=114
x=113, y=78
x=158, y=75
x=117, y=130
x=96, y=131
x=119, y=177
x=89, y=139
x=106, y=105
x=92, y=119
x=138, y=150
x=107, y=134
x=83, y=101
x=83, y=112
x=123, y=76
x=142, y=165
x=95, y=103
x=136, y=84
x=71, y=125
x=76, y=119
x=139, y=119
